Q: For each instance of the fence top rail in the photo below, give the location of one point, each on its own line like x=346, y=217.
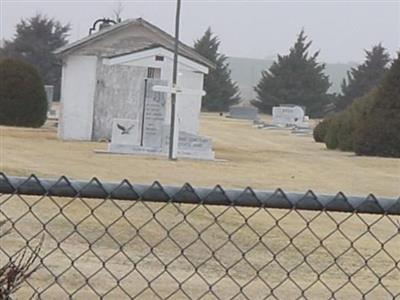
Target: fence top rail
x=248, y=197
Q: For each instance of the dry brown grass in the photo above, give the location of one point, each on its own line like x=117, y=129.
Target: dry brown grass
x=259, y=158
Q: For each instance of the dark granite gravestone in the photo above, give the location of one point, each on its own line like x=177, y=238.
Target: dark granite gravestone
x=243, y=112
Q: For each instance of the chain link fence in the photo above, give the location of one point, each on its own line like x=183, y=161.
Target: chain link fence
x=124, y=241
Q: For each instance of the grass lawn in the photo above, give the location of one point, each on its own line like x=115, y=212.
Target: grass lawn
x=265, y=159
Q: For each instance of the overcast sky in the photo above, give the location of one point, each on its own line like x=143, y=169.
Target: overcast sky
x=340, y=29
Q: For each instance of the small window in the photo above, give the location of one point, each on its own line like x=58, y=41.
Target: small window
x=154, y=73
x=159, y=58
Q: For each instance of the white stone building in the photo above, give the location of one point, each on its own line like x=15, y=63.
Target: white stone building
x=107, y=76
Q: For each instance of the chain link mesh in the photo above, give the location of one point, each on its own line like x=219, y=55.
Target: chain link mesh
x=108, y=248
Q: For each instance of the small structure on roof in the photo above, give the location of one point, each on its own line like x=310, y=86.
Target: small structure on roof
x=116, y=85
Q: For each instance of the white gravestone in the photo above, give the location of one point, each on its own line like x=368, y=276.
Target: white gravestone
x=125, y=132
x=49, y=89
x=154, y=115
x=286, y=116
x=176, y=90
x=152, y=134
x=190, y=145
x=51, y=113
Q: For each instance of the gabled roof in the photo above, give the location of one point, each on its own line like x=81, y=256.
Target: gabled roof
x=168, y=40
x=152, y=51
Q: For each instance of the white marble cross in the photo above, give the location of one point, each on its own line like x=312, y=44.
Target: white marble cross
x=178, y=91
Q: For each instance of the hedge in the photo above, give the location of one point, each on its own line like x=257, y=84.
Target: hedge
x=22, y=96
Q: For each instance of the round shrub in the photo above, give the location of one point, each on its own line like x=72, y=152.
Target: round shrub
x=320, y=131
x=22, y=96
x=331, y=136
x=351, y=119
x=345, y=131
x=340, y=130
x=378, y=134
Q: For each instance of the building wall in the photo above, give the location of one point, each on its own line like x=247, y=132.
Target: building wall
x=119, y=94
x=93, y=94
x=116, y=91
x=77, y=96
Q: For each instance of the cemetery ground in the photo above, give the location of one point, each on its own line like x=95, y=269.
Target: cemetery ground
x=247, y=156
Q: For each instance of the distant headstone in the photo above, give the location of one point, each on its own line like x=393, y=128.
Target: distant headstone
x=305, y=123
x=49, y=89
x=52, y=112
x=243, y=112
x=287, y=115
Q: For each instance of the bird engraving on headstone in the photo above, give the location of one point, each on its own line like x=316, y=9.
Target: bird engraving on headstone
x=125, y=132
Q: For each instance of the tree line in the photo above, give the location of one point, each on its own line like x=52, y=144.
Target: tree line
x=364, y=117
x=294, y=78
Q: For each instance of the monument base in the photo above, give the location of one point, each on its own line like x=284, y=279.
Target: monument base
x=189, y=146
x=138, y=150
x=155, y=141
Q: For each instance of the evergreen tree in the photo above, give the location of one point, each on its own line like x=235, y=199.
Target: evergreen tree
x=2, y=54
x=378, y=133
x=34, y=42
x=361, y=80
x=221, y=91
x=296, y=78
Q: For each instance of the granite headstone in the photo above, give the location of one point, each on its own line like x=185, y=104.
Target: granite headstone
x=287, y=115
x=243, y=112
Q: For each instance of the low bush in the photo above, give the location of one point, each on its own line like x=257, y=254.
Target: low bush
x=331, y=136
x=378, y=136
x=22, y=96
x=341, y=127
x=320, y=131
x=346, y=127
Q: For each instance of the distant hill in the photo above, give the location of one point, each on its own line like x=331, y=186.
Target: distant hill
x=247, y=72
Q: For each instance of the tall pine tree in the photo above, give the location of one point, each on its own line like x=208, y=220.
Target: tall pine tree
x=361, y=80
x=221, y=91
x=35, y=40
x=296, y=78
